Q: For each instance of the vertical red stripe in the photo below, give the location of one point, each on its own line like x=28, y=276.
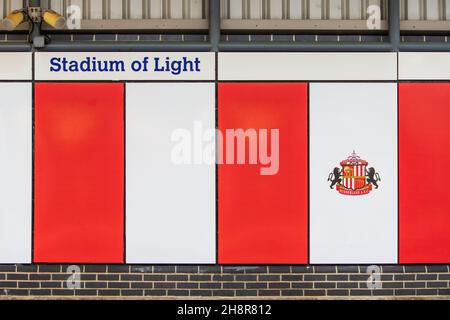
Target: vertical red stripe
x=79, y=169
x=424, y=133
x=263, y=219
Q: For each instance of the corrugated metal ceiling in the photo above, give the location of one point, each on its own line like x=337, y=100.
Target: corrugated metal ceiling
x=236, y=12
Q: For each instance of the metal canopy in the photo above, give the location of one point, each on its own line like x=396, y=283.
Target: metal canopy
x=215, y=45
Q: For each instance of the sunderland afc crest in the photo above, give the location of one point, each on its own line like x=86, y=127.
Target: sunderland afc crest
x=354, y=177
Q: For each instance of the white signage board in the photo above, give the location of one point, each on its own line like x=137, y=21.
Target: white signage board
x=115, y=66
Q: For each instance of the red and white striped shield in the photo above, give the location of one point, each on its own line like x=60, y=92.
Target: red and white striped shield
x=353, y=176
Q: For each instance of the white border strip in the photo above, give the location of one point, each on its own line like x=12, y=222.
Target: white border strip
x=308, y=66
x=424, y=66
x=15, y=66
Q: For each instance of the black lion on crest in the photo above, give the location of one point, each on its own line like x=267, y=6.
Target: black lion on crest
x=335, y=177
x=372, y=177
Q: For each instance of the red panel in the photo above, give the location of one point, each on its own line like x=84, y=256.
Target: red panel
x=263, y=219
x=424, y=155
x=79, y=170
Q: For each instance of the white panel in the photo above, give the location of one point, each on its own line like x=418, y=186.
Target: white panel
x=296, y=9
x=255, y=9
x=376, y=3
x=15, y=66
x=205, y=14
x=170, y=208
x=116, y=9
x=96, y=10
x=6, y=6
x=78, y=3
x=447, y=10
x=382, y=4
x=206, y=62
x=57, y=5
x=16, y=4
x=156, y=9
x=335, y=9
x=276, y=9
x=355, y=9
x=346, y=117
x=136, y=9
x=424, y=65
x=432, y=9
x=413, y=9
x=195, y=9
x=315, y=9
x=307, y=66
x=236, y=9
x=15, y=173
x=224, y=14
x=176, y=9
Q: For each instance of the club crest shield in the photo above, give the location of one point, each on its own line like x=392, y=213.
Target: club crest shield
x=354, y=177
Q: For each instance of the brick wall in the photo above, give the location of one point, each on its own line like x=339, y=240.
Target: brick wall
x=223, y=281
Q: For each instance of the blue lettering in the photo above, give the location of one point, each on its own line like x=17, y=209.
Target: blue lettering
x=87, y=64
x=176, y=67
x=55, y=66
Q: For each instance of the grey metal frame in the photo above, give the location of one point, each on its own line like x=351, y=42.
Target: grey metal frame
x=215, y=45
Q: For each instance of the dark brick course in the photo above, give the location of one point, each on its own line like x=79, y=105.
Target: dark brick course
x=224, y=281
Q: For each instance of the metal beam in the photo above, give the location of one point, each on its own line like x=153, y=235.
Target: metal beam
x=135, y=25
x=214, y=24
x=425, y=26
x=292, y=25
x=137, y=46
x=424, y=46
x=394, y=24
x=304, y=46
x=251, y=25
x=34, y=3
x=15, y=47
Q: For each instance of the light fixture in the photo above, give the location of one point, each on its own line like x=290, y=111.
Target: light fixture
x=14, y=19
x=17, y=17
x=34, y=15
x=54, y=19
